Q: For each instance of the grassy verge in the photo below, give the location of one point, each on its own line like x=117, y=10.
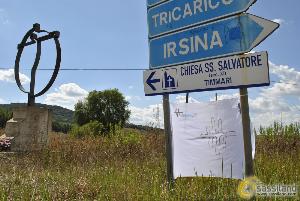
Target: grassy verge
x=130, y=166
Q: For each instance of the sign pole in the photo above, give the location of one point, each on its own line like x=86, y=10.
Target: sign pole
x=168, y=134
x=246, y=132
x=187, y=98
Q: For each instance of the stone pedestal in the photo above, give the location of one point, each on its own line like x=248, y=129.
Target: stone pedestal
x=29, y=127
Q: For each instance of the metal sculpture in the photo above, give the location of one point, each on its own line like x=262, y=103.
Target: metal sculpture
x=31, y=34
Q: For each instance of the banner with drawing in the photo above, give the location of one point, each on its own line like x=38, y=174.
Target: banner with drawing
x=207, y=139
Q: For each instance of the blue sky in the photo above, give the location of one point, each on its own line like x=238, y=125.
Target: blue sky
x=113, y=34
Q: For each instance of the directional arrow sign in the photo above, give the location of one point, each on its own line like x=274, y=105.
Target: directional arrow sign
x=151, y=81
x=151, y=3
x=174, y=15
x=234, y=35
x=249, y=70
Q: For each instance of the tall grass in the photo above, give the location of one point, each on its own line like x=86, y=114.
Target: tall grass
x=130, y=166
x=278, y=128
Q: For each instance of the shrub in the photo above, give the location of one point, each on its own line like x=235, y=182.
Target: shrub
x=128, y=137
x=93, y=128
x=61, y=127
x=5, y=115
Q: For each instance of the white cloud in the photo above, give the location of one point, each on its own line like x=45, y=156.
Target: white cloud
x=288, y=84
x=282, y=89
x=72, y=90
x=182, y=99
x=130, y=87
x=148, y=116
x=2, y=101
x=279, y=20
x=268, y=118
x=265, y=105
x=133, y=98
x=225, y=96
x=285, y=72
x=67, y=96
x=9, y=76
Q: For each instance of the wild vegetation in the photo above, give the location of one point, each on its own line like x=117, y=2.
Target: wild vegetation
x=131, y=165
x=5, y=115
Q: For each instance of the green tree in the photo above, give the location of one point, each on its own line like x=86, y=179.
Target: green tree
x=81, y=114
x=108, y=107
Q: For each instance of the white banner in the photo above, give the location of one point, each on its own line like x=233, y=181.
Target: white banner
x=208, y=139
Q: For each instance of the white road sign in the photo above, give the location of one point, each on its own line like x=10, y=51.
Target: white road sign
x=250, y=70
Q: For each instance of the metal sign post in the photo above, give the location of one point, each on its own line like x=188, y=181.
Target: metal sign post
x=187, y=98
x=168, y=134
x=246, y=132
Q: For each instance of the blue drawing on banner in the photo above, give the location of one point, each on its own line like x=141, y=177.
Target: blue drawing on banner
x=169, y=79
x=185, y=114
x=178, y=113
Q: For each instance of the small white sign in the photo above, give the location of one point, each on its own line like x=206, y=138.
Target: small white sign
x=207, y=139
x=249, y=70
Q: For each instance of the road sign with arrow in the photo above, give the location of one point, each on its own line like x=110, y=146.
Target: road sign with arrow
x=235, y=35
x=250, y=70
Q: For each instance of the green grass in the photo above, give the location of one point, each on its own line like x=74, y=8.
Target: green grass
x=131, y=166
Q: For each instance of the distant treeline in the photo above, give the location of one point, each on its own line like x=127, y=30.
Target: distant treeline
x=142, y=128
x=63, y=119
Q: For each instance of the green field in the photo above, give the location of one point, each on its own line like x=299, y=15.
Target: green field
x=132, y=166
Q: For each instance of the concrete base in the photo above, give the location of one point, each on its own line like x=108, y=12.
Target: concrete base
x=29, y=127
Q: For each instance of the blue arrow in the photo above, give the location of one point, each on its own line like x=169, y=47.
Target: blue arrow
x=150, y=82
x=235, y=35
x=174, y=15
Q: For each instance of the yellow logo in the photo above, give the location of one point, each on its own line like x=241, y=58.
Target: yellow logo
x=247, y=188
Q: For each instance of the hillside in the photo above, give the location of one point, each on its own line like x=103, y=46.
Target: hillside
x=63, y=118
x=60, y=114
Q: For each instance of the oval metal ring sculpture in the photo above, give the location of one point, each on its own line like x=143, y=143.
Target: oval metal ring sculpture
x=31, y=34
